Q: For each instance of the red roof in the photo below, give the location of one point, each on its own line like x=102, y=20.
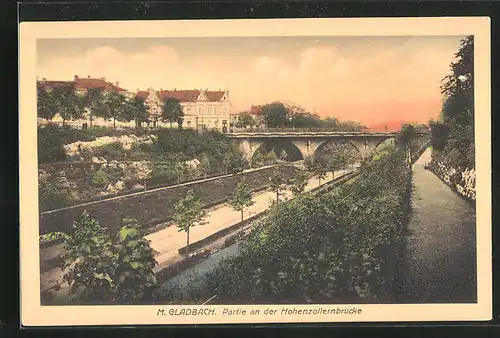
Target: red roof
x=83, y=84
x=182, y=95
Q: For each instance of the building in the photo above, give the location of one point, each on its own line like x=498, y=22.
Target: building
x=203, y=109
x=81, y=86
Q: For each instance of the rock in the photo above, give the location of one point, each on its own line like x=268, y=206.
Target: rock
x=95, y=160
x=122, y=166
x=137, y=186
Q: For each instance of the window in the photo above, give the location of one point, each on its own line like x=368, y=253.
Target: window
x=201, y=110
x=225, y=110
x=217, y=110
x=209, y=110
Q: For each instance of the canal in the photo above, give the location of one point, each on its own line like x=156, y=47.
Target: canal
x=439, y=255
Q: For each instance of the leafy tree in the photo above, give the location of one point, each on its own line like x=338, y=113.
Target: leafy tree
x=274, y=114
x=115, y=108
x=172, y=111
x=309, y=163
x=205, y=165
x=406, y=135
x=246, y=119
x=136, y=110
x=439, y=134
x=299, y=183
x=189, y=212
x=95, y=102
x=277, y=182
x=241, y=198
x=320, y=170
x=458, y=107
x=68, y=104
x=46, y=107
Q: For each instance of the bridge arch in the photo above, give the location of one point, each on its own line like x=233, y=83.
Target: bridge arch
x=281, y=148
x=332, y=146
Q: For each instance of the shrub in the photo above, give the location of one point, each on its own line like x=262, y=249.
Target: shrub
x=100, y=178
x=52, y=197
x=104, y=269
x=110, y=151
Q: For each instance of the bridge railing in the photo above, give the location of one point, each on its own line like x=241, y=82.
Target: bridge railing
x=284, y=130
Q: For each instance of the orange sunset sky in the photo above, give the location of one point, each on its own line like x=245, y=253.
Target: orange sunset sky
x=367, y=79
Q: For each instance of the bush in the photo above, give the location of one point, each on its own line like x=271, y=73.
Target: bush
x=100, y=178
x=53, y=197
x=103, y=269
x=110, y=151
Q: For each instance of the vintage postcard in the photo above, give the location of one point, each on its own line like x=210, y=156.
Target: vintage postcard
x=255, y=171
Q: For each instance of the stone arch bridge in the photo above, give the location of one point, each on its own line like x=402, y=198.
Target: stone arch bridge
x=308, y=143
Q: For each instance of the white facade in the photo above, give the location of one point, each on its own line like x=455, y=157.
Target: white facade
x=202, y=109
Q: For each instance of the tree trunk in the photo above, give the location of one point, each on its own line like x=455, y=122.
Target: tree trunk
x=114, y=122
x=90, y=118
x=277, y=196
x=187, y=242
x=241, y=215
x=170, y=124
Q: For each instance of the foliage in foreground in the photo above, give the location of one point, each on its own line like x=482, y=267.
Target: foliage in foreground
x=104, y=269
x=335, y=247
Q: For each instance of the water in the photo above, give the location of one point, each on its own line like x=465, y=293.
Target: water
x=439, y=257
x=196, y=274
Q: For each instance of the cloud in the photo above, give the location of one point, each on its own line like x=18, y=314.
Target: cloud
x=341, y=82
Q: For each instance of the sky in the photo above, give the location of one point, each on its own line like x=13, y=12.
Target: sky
x=366, y=79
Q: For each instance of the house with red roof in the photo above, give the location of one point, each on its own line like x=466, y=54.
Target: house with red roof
x=81, y=85
x=203, y=109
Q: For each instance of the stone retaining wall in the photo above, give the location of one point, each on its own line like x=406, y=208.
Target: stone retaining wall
x=462, y=182
x=153, y=207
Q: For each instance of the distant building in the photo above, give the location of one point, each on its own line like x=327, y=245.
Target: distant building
x=203, y=109
x=81, y=86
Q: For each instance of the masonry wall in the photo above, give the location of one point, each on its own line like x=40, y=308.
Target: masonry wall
x=462, y=182
x=154, y=207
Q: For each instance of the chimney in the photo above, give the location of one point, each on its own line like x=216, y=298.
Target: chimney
x=75, y=77
x=88, y=76
x=44, y=79
x=103, y=78
x=117, y=84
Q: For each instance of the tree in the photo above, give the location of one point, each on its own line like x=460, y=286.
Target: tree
x=189, y=212
x=241, y=198
x=115, y=108
x=68, y=104
x=94, y=101
x=299, y=183
x=46, y=107
x=405, y=137
x=274, y=114
x=172, y=111
x=439, y=134
x=245, y=119
x=277, y=182
x=319, y=170
x=205, y=165
x=136, y=110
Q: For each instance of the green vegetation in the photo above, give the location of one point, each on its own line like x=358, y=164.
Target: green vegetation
x=336, y=247
x=277, y=183
x=241, y=198
x=101, y=269
x=100, y=178
x=172, y=111
x=298, y=183
x=453, y=134
x=189, y=212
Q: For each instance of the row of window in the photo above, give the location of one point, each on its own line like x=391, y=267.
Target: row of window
x=201, y=110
